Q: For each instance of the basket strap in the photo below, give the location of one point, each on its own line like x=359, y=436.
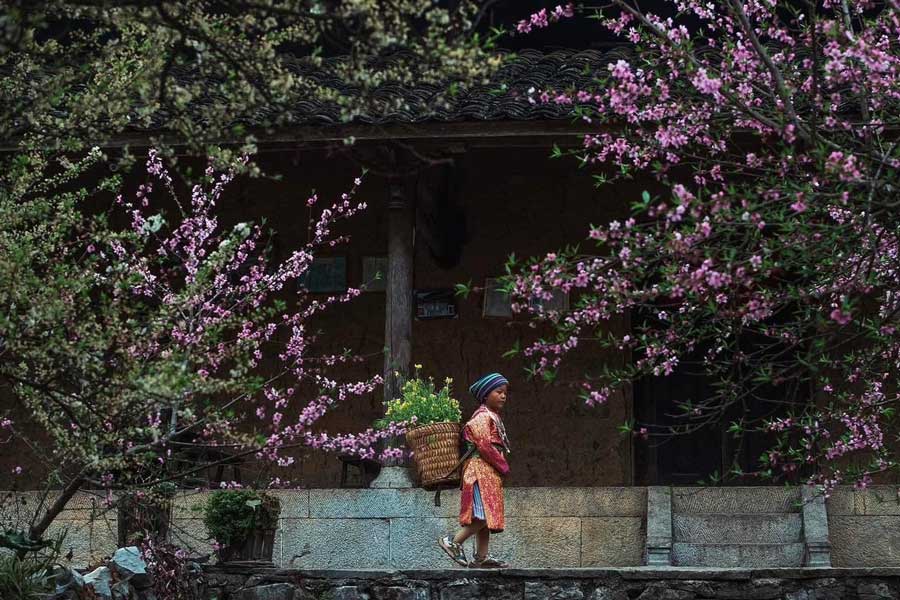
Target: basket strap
x=437, y=494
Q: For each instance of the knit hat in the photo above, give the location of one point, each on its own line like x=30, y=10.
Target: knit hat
x=484, y=386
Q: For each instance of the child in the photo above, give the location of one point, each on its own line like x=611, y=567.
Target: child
x=481, y=501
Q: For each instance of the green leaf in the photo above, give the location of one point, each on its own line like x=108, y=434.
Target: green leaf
x=463, y=289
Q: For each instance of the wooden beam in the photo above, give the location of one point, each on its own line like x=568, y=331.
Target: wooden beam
x=475, y=133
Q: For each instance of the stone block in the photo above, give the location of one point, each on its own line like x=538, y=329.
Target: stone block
x=189, y=505
x=81, y=507
x=535, y=590
x=363, y=503
x=19, y=508
x=15, y=510
x=737, y=555
x=77, y=540
x=862, y=541
x=294, y=503
x=335, y=543
x=734, y=500
x=880, y=500
x=659, y=526
x=841, y=501
x=815, y=518
x=191, y=535
x=423, y=504
x=414, y=543
x=765, y=528
x=612, y=541
x=538, y=542
x=104, y=534
x=576, y=501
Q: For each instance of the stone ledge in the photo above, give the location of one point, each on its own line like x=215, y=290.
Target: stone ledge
x=631, y=583
x=568, y=573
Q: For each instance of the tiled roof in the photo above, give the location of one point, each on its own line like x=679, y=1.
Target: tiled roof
x=505, y=98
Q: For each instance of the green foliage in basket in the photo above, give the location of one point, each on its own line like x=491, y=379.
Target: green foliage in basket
x=231, y=516
x=420, y=398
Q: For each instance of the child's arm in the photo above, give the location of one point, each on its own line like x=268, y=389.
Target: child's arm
x=479, y=433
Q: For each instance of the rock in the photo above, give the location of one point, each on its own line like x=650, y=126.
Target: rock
x=129, y=564
x=756, y=589
x=875, y=591
x=661, y=591
x=699, y=588
x=396, y=592
x=829, y=588
x=68, y=579
x=558, y=591
x=604, y=593
x=303, y=594
x=468, y=589
x=347, y=592
x=122, y=590
x=100, y=580
x=800, y=595
x=274, y=591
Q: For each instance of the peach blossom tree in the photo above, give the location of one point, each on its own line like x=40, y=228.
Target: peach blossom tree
x=771, y=252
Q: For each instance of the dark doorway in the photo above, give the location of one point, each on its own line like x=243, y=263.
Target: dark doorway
x=681, y=459
x=711, y=452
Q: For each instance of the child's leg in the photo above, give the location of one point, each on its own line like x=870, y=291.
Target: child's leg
x=483, y=541
x=476, y=526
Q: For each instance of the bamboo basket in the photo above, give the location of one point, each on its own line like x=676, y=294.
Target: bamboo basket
x=436, y=451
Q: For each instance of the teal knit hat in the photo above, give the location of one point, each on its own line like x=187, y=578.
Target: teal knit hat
x=484, y=386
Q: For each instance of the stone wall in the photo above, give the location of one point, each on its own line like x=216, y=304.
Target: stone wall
x=864, y=526
x=556, y=584
x=389, y=528
x=565, y=527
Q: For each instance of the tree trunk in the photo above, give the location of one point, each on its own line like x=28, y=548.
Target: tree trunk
x=37, y=529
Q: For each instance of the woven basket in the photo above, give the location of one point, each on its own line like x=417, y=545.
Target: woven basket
x=436, y=450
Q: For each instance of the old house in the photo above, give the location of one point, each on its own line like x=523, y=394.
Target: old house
x=452, y=193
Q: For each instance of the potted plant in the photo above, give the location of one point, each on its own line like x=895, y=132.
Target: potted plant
x=242, y=523
x=434, y=434
x=143, y=513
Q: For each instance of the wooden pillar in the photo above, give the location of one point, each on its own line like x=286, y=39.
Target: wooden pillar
x=399, y=293
x=398, y=318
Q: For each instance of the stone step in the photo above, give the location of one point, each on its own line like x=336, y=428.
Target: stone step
x=734, y=500
x=737, y=555
x=745, y=528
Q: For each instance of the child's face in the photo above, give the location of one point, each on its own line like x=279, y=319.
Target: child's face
x=496, y=399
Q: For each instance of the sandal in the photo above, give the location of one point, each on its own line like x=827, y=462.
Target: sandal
x=454, y=551
x=487, y=562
